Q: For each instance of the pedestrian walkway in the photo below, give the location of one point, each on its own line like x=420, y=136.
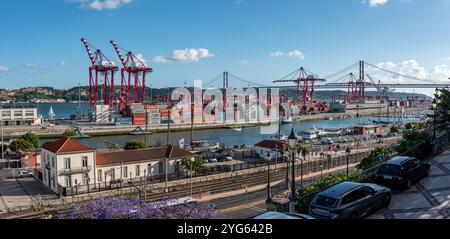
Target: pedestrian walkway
x=427, y=199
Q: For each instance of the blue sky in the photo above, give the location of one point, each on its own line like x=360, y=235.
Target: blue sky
x=258, y=40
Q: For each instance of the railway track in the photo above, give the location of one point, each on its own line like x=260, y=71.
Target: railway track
x=211, y=188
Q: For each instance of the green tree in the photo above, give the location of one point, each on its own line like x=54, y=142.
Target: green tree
x=132, y=145
x=197, y=164
x=303, y=151
x=417, y=144
x=372, y=160
x=395, y=129
x=443, y=109
x=32, y=139
x=20, y=145
x=69, y=133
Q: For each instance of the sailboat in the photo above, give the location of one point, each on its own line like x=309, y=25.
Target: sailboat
x=51, y=114
x=287, y=120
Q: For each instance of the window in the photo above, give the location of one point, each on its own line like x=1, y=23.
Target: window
x=84, y=161
x=138, y=170
x=99, y=175
x=353, y=196
x=149, y=170
x=17, y=113
x=53, y=162
x=68, y=182
x=113, y=174
x=389, y=169
x=125, y=172
x=67, y=163
x=326, y=201
x=85, y=179
x=160, y=167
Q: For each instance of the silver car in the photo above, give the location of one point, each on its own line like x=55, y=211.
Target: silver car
x=282, y=216
x=349, y=200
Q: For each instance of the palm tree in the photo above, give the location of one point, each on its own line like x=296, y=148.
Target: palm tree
x=303, y=151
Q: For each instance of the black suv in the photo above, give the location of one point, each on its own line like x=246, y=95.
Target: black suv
x=402, y=171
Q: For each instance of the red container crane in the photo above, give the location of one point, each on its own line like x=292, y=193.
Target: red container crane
x=303, y=79
x=101, y=65
x=135, y=68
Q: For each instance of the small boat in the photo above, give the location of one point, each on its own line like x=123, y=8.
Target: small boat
x=237, y=129
x=287, y=120
x=204, y=145
x=331, y=118
x=51, y=114
x=138, y=131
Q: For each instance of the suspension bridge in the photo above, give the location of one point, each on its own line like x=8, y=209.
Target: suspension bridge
x=356, y=78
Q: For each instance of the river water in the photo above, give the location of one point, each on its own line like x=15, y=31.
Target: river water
x=248, y=136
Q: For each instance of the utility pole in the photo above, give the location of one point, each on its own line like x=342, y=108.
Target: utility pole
x=3, y=147
x=166, y=189
x=145, y=185
x=121, y=178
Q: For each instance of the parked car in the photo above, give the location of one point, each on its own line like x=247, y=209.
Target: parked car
x=24, y=174
x=228, y=159
x=213, y=160
x=402, y=171
x=205, y=161
x=349, y=200
x=282, y=216
x=327, y=141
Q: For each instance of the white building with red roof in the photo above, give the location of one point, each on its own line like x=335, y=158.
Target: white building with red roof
x=67, y=163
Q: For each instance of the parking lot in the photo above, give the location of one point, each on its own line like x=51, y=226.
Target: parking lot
x=21, y=194
x=427, y=199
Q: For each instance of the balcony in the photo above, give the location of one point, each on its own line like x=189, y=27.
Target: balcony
x=75, y=171
x=48, y=166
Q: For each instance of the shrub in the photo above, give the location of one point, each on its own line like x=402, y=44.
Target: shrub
x=306, y=195
x=132, y=145
x=373, y=160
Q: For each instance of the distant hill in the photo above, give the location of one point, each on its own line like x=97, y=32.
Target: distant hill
x=50, y=93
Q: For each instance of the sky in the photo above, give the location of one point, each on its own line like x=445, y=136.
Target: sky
x=187, y=40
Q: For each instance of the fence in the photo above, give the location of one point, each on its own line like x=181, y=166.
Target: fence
x=442, y=143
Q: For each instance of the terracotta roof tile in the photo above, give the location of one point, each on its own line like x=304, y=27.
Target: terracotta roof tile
x=273, y=144
x=66, y=145
x=150, y=154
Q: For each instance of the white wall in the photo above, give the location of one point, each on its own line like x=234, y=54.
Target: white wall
x=57, y=165
x=131, y=168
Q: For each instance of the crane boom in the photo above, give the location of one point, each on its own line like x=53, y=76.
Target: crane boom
x=88, y=49
x=116, y=47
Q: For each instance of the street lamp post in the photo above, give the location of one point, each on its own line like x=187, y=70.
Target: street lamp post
x=293, y=139
x=347, y=159
x=434, y=106
x=269, y=189
x=192, y=162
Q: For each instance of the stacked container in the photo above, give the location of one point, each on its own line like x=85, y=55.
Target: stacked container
x=102, y=114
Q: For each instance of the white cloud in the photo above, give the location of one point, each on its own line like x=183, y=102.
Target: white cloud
x=238, y=2
x=296, y=54
x=161, y=59
x=63, y=63
x=244, y=62
x=439, y=73
x=190, y=55
x=100, y=4
x=30, y=66
x=293, y=54
x=3, y=69
x=276, y=54
x=375, y=3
